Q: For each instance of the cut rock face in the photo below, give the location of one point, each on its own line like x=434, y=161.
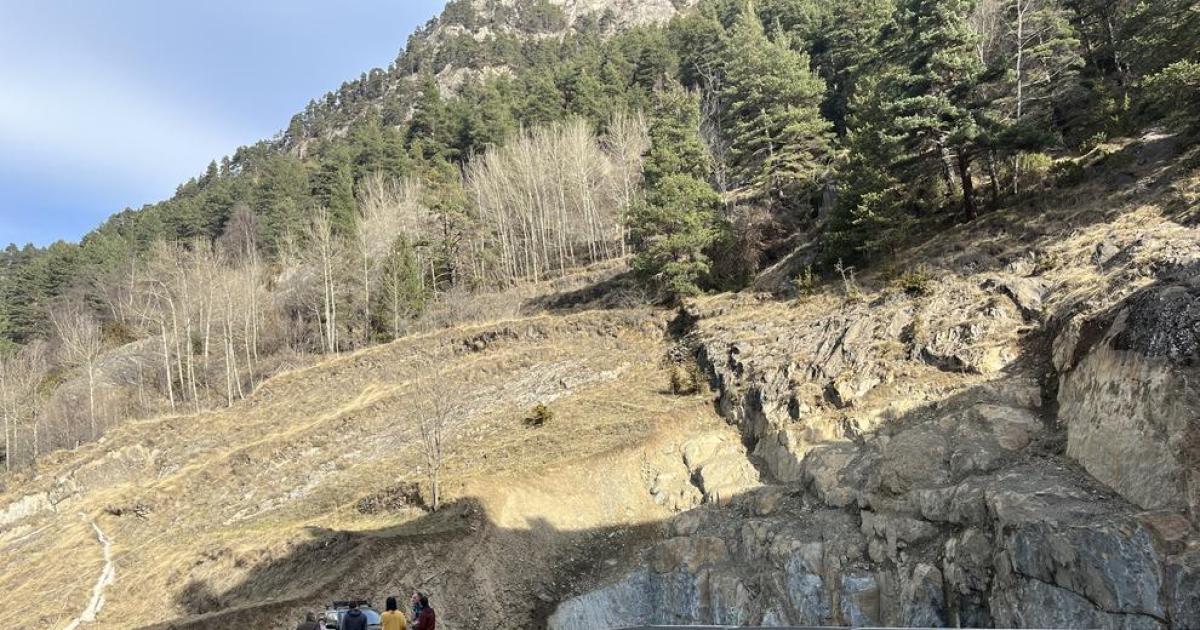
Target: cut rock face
x=720, y=468
x=957, y=507
x=1130, y=396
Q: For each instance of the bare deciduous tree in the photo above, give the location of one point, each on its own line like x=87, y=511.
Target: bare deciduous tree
x=80, y=343
x=438, y=409
x=21, y=375
x=325, y=253
x=556, y=197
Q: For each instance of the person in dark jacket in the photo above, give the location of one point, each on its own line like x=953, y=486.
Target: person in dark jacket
x=309, y=623
x=354, y=619
x=415, y=603
x=427, y=619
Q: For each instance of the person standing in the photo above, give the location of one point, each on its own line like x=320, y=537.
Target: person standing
x=354, y=619
x=427, y=618
x=392, y=619
x=415, y=603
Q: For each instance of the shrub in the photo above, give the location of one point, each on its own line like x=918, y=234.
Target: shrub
x=915, y=282
x=1034, y=170
x=402, y=495
x=1175, y=92
x=805, y=283
x=117, y=334
x=687, y=379
x=539, y=415
x=850, y=286
x=1067, y=173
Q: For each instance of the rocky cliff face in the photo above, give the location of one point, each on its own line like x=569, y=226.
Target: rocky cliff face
x=1014, y=443
x=1130, y=394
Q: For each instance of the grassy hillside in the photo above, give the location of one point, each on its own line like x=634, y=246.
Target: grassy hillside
x=296, y=496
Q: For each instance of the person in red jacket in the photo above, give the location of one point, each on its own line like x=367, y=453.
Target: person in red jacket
x=427, y=618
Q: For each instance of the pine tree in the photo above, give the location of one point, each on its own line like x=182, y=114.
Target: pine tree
x=675, y=146
x=446, y=199
x=935, y=107
x=282, y=195
x=543, y=100
x=874, y=208
x=429, y=130
x=487, y=117
x=780, y=144
x=403, y=295
x=847, y=45
x=333, y=187
x=678, y=221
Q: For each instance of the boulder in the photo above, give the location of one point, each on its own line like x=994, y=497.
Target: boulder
x=1012, y=427
x=846, y=390
x=1130, y=396
x=719, y=467
x=1026, y=293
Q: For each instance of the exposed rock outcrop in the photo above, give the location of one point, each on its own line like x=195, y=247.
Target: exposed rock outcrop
x=1129, y=395
x=923, y=480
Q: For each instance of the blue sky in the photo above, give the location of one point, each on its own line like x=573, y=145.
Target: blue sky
x=107, y=104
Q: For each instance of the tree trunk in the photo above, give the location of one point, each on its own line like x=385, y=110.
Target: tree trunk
x=167, y=365
x=944, y=159
x=366, y=298
x=91, y=372
x=968, y=186
x=991, y=165
x=436, y=489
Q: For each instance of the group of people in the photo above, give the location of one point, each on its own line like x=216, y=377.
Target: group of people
x=423, y=617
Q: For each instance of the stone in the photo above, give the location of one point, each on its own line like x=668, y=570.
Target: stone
x=1131, y=403
x=860, y=603
x=964, y=503
x=1111, y=564
x=1104, y=252
x=719, y=468
x=674, y=491
x=703, y=448
x=767, y=501
x=1012, y=427
x=896, y=531
x=976, y=454
x=1028, y=603
x=923, y=602
x=1024, y=266
x=688, y=523
x=620, y=604
x=915, y=457
x=1026, y=293
x=1183, y=589
x=847, y=390
x=1171, y=531
x=26, y=506
x=1030, y=494
x=823, y=472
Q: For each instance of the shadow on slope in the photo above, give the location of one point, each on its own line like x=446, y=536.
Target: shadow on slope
x=481, y=574
x=478, y=574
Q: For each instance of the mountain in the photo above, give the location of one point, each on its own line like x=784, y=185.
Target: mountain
x=587, y=315
x=471, y=40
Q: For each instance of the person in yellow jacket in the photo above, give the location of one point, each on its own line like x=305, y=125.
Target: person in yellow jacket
x=393, y=619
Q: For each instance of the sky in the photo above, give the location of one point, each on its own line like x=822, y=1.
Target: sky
x=108, y=104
